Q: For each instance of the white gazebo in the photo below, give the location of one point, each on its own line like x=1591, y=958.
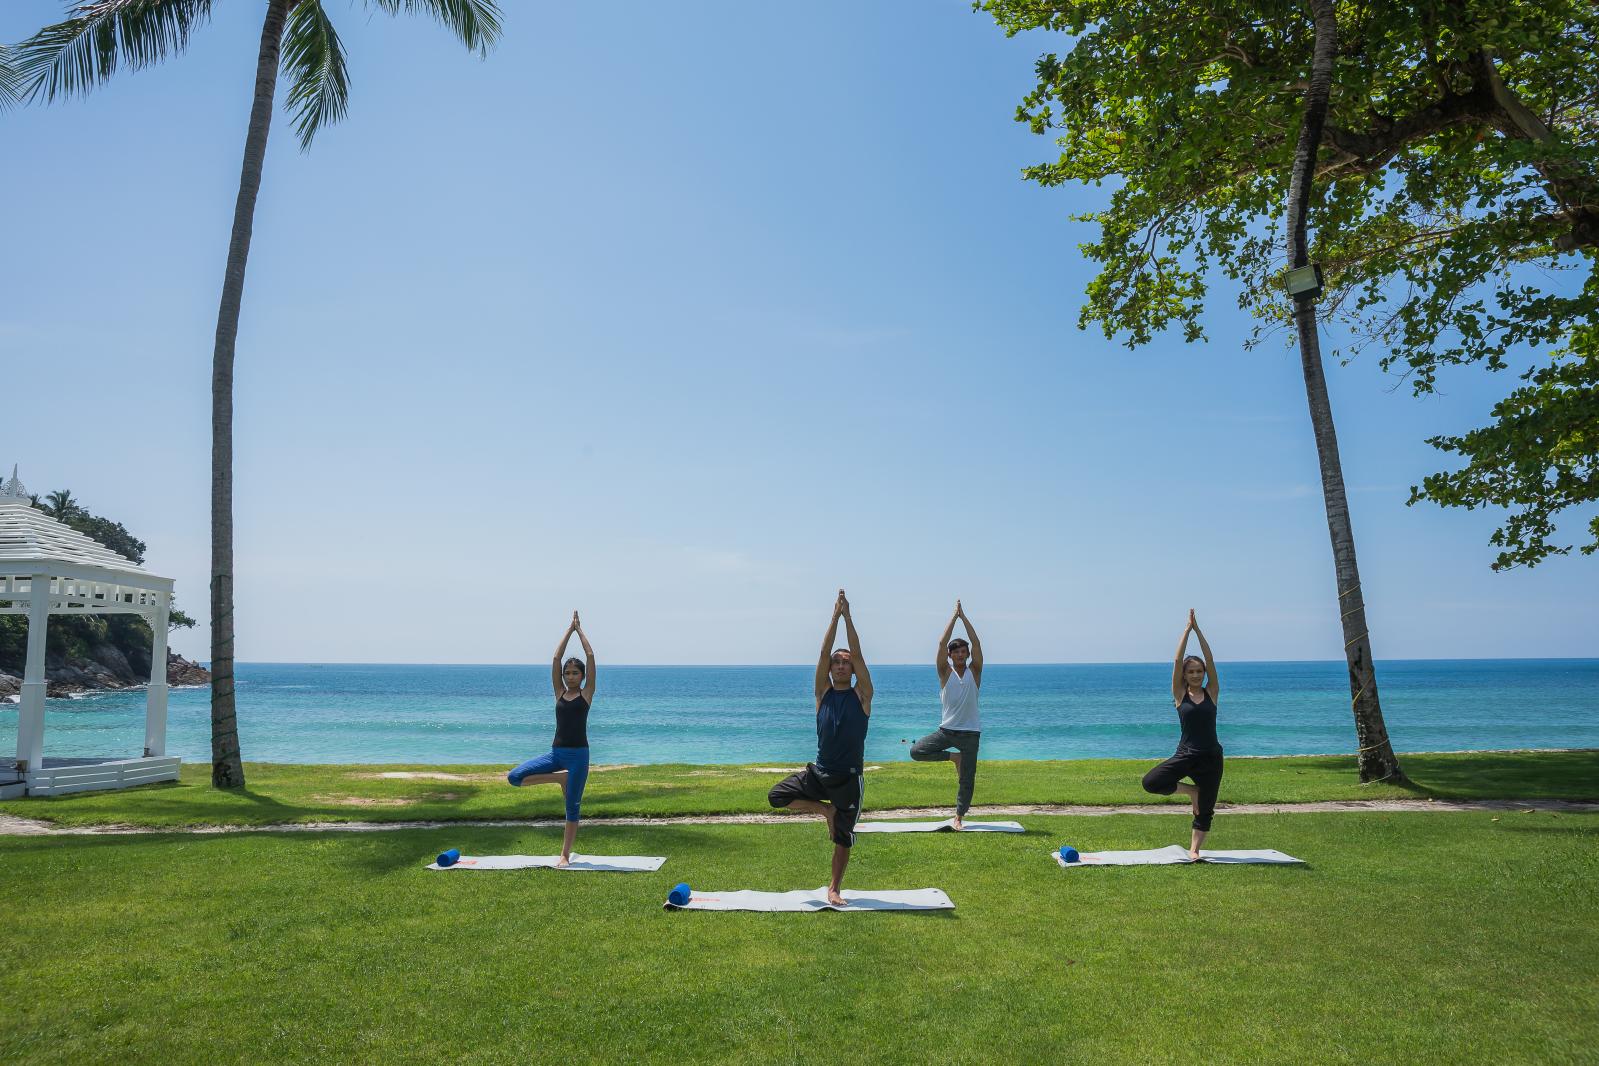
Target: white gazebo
x=48, y=568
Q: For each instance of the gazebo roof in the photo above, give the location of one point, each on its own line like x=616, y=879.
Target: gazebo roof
x=32, y=542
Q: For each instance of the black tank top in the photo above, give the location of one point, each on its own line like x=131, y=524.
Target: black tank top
x=840, y=731
x=1199, y=725
x=571, y=723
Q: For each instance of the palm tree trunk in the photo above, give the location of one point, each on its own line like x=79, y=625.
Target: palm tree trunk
x=227, y=768
x=1375, y=757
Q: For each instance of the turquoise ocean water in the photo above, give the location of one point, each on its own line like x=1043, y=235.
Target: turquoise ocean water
x=325, y=713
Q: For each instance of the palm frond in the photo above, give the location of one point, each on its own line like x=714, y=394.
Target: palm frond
x=98, y=37
x=319, y=89
x=475, y=22
x=10, y=84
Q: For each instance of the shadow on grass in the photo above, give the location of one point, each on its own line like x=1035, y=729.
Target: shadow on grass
x=1415, y=788
x=165, y=797
x=16, y=847
x=258, y=800
x=1572, y=775
x=177, y=804
x=1580, y=830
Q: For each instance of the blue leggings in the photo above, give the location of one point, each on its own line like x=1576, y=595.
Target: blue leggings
x=575, y=761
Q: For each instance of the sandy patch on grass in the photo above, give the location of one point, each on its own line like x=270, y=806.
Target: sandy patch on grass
x=364, y=801
x=787, y=769
x=434, y=775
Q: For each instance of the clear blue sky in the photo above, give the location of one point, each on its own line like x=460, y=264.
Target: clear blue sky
x=687, y=315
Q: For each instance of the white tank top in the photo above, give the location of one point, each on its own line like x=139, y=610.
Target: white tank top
x=959, y=697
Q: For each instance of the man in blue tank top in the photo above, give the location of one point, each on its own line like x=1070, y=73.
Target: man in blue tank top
x=834, y=786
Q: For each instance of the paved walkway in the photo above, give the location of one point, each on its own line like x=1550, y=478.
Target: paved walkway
x=11, y=825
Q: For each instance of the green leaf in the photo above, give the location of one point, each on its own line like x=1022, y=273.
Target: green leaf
x=10, y=82
x=475, y=22
x=313, y=58
x=76, y=55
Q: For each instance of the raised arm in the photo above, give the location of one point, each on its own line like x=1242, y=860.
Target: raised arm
x=977, y=645
x=1212, y=684
x=1178, y=685
x=590, y=675
x=560, y=650
x=943, y=645
x=863, y=676
x=824, y=664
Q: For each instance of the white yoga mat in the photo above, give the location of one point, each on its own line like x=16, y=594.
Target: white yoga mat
x=815, y=899
x=946, y=826
x=616, y=864
x=1175, y=855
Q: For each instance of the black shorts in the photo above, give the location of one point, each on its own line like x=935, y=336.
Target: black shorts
x=845, y=791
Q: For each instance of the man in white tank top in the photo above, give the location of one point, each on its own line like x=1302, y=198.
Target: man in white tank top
x=960, y=672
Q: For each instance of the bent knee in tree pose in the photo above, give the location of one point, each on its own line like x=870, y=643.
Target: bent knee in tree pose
x=1194, y=687
x=567, y=761
x=834, y=785
x=960, y=672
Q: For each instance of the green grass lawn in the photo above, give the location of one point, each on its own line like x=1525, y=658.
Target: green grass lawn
x=302, y=793
x=1408, y=937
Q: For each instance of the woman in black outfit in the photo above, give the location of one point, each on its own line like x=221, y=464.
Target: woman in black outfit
x=1198, y=757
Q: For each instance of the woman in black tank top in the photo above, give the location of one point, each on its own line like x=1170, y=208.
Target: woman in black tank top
x=567, y=762
x=1199, y=756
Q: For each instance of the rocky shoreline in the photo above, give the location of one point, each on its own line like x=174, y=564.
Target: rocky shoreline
x=108, y=671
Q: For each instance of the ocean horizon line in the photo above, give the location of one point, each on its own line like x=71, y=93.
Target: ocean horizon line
x=987, y=663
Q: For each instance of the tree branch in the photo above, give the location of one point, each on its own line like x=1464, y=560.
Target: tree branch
x=1366, y=152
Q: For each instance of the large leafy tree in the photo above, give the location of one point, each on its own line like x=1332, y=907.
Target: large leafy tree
x=85, y=50
x=1455, y=209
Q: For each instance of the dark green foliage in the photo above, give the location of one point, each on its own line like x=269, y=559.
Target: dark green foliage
x=76, y=637
x=10, y=84
x=1540, y=456
x=319, y=93
x=13, y=643
x=59, y=504
x=1458, y=175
